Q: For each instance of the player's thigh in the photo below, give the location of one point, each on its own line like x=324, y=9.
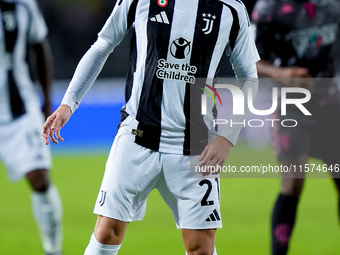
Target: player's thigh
x=194, y=201
x=199, y=241
x=131, y=172
x=290, y=142
x=325, y=143
x=292, y=181
x=21, y=147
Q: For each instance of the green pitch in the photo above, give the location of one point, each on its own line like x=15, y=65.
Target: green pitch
x=246, y=207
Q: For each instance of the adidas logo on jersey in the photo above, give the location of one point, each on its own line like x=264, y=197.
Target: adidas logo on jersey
x=213, y=216
x=161, y=18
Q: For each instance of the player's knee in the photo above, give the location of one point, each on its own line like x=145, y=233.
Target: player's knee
x=109, y=231
x=200, y=249
x=292, y=187
x=39, y=180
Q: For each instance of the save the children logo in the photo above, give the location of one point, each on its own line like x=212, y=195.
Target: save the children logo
x=179, y=70
x=180, y=48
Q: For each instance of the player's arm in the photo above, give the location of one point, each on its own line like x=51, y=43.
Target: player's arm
x=217, y=151
x=289, y=76
x=86, y=73
x=89, y=67
x=243, y=57
x=44, y=67
x=264, y=29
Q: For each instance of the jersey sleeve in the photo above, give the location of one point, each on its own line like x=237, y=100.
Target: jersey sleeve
x=262, y=22
x=119, y=22
x=37, y=28
x=244, y=52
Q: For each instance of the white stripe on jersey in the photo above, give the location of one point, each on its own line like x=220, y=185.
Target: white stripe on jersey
x=173, y=119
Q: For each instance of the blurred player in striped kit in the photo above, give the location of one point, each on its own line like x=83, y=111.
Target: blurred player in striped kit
x=23, y=38
x=297, y=40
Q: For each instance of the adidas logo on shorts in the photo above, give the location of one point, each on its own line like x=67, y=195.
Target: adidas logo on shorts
x=213, y=216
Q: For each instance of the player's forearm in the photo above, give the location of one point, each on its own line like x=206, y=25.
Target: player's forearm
x=267, y=69
x=232, y=131
x=247, y=80
x=86, y=73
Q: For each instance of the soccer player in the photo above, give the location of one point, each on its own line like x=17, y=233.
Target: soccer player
x=23, y=33
x=296, y=40
x=173, y=43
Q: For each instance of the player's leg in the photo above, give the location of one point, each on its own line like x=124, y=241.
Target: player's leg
x=292, y=147
x=194, y=202
x=337, y=185
x=25, y=155
x=47, y=210
x=199, y=241
x=131, y=172
x=107, y=237
x=285, y=207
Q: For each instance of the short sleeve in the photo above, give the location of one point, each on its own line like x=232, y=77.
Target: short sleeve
x=244, y=52
x=37, y=29
x=120, y=21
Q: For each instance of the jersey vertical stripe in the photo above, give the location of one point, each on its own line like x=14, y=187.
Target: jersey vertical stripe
x=234, y=28
x=8, y=12
x=149, y=109
x=180, y=52
x=208, y=29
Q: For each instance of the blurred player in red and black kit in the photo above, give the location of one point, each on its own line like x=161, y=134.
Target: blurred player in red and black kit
x=296, y=39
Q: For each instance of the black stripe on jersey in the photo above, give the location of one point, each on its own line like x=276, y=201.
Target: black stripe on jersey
x=132, y=67
x=208, y=11
x=132, y=60
x=149, y=110
x=235, y=28
x=17, y=105
x=11, y=35
x=133, y=51
x=245, y=9
x=131, y=14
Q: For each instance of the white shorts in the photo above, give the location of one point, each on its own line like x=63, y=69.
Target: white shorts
x=133, y=171
x=22, y=149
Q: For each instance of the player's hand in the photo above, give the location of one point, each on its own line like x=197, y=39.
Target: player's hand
x=53, y=124
x=296, y=77
x=215, y=153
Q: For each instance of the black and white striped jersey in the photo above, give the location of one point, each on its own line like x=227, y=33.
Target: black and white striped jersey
x=21, y=24
x=174, y=43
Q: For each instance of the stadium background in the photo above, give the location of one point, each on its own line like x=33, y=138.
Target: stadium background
x=80, y=160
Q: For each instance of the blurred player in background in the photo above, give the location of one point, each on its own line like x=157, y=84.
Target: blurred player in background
x=172, y=41
x=24, y=45
x=297, y=39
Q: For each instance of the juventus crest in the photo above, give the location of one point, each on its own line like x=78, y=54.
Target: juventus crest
x=209, y=22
